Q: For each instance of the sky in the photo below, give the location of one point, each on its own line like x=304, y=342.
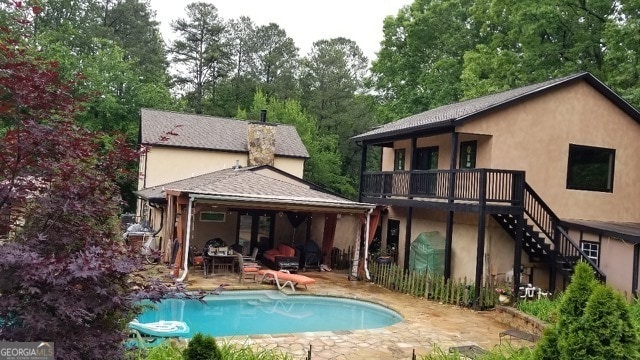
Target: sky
x=305, y=21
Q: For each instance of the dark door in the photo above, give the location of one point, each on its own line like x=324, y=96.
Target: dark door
x=255, y=230
x=426, y=159
x=393, y=235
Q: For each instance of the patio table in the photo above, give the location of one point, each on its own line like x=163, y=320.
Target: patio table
x=222, y=262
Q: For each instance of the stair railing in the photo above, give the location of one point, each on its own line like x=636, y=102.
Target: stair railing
x=548, y=222
x=570, y=250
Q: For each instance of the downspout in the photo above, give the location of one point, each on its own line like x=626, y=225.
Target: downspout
x=366, y=245
x=186, y=243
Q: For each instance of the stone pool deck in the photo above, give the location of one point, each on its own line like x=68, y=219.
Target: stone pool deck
x=426, y=323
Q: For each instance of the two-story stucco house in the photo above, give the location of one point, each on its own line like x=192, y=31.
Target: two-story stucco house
x=533, y=179
x=206, y=177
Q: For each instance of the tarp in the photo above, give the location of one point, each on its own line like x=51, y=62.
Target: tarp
x=427, y=253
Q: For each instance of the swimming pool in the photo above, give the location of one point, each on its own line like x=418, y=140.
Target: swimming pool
x=270, y=312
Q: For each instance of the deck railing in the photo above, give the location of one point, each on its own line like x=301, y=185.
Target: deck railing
x=474, y=185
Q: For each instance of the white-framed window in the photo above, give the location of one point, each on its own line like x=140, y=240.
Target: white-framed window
x=211, y=216
x=591, y=249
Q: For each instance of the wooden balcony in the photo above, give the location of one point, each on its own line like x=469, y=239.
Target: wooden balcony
x=474, y=190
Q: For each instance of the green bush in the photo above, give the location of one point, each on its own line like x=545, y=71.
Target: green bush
x=605, y=331
x=202, y=347
x=164, y=351
x=234, y=352
x=544, y=309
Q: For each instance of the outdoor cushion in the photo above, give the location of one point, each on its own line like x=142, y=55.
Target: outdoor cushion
x=284, y=278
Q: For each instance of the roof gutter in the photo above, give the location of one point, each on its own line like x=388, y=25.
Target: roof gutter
x=284, y=201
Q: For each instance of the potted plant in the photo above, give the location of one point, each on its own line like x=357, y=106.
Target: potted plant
x=505, y=292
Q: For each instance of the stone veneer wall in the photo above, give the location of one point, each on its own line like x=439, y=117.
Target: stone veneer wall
x=518, y=320
x=261, y=144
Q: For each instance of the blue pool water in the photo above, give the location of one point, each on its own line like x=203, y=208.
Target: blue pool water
x=270, y=312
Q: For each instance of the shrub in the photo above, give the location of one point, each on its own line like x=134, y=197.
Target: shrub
x=543, y=309
x=605, y=330
x=202, y=347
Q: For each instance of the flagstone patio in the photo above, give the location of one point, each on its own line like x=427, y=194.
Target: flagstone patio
x=426, y=323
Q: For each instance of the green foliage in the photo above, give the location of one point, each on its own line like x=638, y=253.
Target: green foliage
x=202, y=53
x=202, y=347
x=544, y=309
x=233, y=352
x=594, y=322
x=604, y=331
x=164, y=351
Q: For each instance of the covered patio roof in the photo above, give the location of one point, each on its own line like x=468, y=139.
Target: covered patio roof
x=257, y=187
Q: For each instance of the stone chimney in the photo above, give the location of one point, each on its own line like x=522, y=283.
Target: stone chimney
x=261, y=142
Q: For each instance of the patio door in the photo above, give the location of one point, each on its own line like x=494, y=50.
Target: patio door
x=255, y=230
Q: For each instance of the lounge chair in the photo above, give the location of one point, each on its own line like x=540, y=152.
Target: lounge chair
x=283, y=279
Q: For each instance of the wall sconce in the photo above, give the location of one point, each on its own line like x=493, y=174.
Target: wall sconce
x=339, y=216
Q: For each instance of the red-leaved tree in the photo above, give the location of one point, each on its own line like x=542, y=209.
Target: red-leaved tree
x=65, y=274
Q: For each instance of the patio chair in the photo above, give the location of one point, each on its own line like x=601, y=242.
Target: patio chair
x=284, y=278
x=247, y=270
x=252, y=257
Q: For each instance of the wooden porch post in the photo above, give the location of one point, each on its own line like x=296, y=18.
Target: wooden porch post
x=179, y=262
x=412, y=161
x=450, y=214
x=634, y=281
x=407, y=240
x=482, y=192
x=363, y=168
x=517, y=256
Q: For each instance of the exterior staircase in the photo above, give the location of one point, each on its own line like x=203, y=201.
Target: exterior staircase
x=543, y=239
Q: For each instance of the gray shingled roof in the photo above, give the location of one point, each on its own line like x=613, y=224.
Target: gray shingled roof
x=453, y=114
x=212, y=133
x=246, y=184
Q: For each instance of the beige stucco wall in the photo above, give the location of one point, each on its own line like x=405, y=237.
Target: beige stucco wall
x=204, y=230
x=498, y=249
x=616, y=258
x=294, y=166
x=164, y=164
x=535, y=135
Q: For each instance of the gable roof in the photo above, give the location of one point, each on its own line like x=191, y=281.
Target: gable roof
x=457, y=113
x=211, y=133
x=246, y=184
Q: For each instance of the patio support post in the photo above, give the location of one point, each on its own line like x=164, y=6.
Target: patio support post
x=363, y=168
x=450, y=214
x=186, y=242
x=517, y=256
x=481, y=230
x=366, y=244
x=407, y=241
x=634, y=284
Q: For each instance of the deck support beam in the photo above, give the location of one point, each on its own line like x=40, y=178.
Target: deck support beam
x=407, y=238
x=517, y=256
x=636, y=259
x=448, y=243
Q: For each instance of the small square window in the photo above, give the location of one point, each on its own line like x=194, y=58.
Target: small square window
x=209, y=216
x=591, y=249
x=590, y=168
